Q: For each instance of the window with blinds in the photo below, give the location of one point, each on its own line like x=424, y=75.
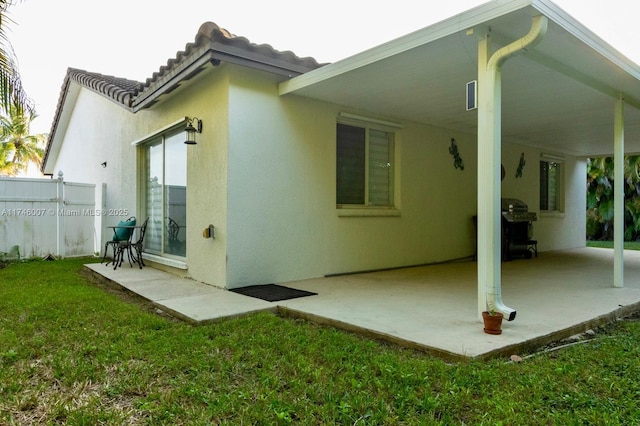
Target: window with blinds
x=364, y=166
x=550, y=185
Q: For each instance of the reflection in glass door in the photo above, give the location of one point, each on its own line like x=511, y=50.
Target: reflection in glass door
x=166, y=190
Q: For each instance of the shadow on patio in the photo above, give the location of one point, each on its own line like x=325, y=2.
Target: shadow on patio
x=429, y=308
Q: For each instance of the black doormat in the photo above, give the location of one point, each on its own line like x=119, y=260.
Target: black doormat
x=272, y=292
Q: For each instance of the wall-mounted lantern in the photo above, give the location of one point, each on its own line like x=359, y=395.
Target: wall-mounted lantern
x=194, y=125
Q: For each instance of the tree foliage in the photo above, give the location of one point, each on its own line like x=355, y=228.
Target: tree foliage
x=11, y=89
x=600, y=208
x=18, y=147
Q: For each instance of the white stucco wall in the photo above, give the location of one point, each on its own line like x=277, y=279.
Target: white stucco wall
x=96, y=133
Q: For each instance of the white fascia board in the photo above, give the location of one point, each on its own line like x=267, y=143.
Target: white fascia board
x=68, y=105
x=574, y=27
x=460, y=22
x=598, y=45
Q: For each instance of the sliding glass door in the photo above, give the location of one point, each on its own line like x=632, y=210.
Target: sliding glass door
x=166, y=195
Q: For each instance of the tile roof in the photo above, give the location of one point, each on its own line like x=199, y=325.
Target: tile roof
x=121, y=90
x=215, y=45
x=211, y=42
x=230, y=47
x=212, y=45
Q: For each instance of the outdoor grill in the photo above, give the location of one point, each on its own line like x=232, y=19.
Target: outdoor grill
x=516, y=229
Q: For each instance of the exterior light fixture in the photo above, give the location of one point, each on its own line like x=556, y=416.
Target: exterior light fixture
x=194, y=125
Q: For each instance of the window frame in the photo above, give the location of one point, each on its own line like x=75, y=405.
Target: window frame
x=367, y=208
x=545, y=181
x=160, y=139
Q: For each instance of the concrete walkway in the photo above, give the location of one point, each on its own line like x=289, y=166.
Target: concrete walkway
x=430, y=308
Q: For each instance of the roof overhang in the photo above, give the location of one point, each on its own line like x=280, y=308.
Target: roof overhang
x=70, y=92
x=212, y=46
x=559, y=96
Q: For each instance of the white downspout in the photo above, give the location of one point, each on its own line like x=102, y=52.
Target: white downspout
x=489, y=160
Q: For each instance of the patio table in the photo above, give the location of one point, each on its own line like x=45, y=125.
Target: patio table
x=119, y=246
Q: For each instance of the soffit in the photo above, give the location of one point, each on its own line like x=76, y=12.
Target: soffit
x=559, y=96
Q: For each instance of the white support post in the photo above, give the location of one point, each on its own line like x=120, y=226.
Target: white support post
x=489, y=159
x=488, y=178
x=618, y=194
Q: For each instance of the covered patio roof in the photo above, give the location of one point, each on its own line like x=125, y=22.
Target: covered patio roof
x=558, y=96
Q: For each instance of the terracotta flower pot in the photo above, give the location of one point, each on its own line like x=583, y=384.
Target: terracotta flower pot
x=492, y=322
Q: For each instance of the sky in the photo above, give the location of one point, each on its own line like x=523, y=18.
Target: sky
x=134, y=38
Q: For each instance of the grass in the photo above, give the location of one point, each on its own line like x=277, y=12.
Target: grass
x=628, y=245
x=73, y=352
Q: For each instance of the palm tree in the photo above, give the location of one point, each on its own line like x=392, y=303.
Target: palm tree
x=11, y=89
x=632, y=197
x=18, y=148
x=600, y=198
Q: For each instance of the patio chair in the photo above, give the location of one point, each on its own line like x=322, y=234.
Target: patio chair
x=123, y=233
x=138, y=245
x=132, y=248
x=174, y=244
x=172, y=230
x=119, y=235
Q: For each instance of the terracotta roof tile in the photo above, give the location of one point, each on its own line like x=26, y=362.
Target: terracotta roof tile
x=222, y=45
x=212, y=45
x=215, y=44
x=121, y=90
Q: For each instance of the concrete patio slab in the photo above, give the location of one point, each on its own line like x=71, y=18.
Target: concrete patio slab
x=555, y=295
x=430, y=308
x=183, y=298
x=215, y=306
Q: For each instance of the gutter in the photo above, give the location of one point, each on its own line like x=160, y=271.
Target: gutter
x=533, y=37
x=536, y=33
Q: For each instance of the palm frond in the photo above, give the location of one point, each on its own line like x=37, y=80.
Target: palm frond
x=11, y=88
x=18, y=147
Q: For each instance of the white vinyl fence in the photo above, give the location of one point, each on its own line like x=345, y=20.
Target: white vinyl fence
x=41, y=217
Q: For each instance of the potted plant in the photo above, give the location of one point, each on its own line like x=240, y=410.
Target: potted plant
x=492, y=321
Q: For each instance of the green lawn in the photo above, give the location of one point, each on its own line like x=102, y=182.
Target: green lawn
x=73, y=352
x=628, y=245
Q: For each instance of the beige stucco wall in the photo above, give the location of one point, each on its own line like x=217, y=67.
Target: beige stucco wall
x=205, y=97
x=207, y=178
x=282, y=213
x=566, y=229
x=263, y=173
x=100, y=130
x=553, y=231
